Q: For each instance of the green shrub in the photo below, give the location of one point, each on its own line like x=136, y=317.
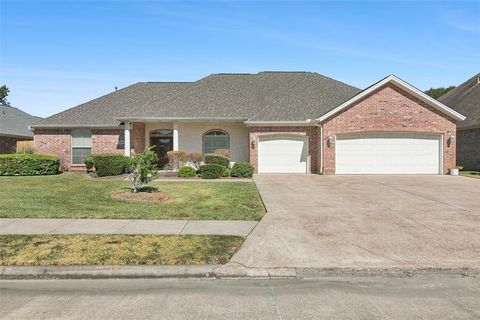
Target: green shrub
x=142, y=168
x=212, y=158
x=226, y=172
x=89, y=162
x=186, y=172
x=211, y=171
x=28, y=164
x=107, y=164
x=242, y=169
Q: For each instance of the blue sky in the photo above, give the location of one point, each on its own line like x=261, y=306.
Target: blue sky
x=56, y=55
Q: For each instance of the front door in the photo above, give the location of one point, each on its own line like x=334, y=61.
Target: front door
x=162, y=146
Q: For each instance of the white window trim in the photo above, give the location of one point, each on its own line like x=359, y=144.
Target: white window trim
x=212, y=130
x=74, y=147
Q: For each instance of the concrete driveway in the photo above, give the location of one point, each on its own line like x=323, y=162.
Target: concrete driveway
x=365, y=222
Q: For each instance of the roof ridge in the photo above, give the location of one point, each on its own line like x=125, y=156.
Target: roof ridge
x=165, y=82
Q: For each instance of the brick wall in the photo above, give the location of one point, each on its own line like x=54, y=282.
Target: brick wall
x=311, y=132
x=56, y=142
x=107, y=141
x=138, y=137
x=389, y=109
x=468, y=148
x=9, y=144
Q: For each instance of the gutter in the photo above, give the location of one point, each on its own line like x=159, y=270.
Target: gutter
x=307, y=122
x=169, y=119
x=70, y=126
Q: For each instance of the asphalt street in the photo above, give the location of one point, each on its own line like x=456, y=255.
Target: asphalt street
x=426, y=297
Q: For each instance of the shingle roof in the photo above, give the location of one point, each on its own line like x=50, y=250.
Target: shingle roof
x=265, y=96
x=102, y=111
x=15, y=122
x=465, y=99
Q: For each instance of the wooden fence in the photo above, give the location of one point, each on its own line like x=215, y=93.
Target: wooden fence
x=25, y=146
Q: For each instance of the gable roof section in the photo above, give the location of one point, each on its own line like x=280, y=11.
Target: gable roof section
x=15, y=122
x=465, y=99
x=401, y=84
x=265, y=96
x=101, y=112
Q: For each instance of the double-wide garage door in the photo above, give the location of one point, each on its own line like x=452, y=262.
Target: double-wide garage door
x=282, y=154
x=387, y=153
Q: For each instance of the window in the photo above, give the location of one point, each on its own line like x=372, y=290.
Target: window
x=81, y=145
x=215, y=139
x=161, y=132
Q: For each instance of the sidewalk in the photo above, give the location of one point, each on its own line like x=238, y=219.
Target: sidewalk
x=126, y=226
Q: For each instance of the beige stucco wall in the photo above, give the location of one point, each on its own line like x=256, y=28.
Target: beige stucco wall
x=190, y=136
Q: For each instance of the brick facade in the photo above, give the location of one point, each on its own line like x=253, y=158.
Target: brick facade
x=9, y=144
x=107, y=141
x=389, y=109
x=468, y=148
x=311, y=132
x=138, y=137
x=55, y=142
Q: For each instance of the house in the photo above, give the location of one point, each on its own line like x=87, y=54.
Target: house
x=466, y=99
x=14, y=127
x=282, y=122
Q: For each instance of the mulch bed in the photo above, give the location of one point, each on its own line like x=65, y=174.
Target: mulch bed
x=142, y=196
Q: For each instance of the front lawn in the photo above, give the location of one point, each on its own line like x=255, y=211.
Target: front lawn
x=471, y=174
x=116, y=249
x=74, y=195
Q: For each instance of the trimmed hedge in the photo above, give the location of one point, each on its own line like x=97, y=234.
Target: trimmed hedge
x=107, y=164
x=212, y=158
x=211, y=171
x=28, y=164
x=186, y=172
x=226, y=172
x=242, y=169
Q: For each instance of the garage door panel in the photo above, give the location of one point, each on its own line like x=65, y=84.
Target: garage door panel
x=387, y=154
x=282, y=154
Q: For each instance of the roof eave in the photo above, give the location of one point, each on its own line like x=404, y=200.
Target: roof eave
x=307, y=122
x=402, y=84
x=189, y=119
x=73, y=126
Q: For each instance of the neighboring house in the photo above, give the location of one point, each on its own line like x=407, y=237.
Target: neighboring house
x=282, y=122
x=14, y=127
x=466, y=99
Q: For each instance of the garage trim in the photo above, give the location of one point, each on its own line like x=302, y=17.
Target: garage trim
x=287, y=135
x=393, y=134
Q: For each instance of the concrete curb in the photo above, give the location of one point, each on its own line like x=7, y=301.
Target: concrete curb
x=227, y=271
x=106, y=272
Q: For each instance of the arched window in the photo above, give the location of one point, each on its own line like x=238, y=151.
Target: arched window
x=215, y=139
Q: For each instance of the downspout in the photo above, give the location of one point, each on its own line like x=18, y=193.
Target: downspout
x=321, y=149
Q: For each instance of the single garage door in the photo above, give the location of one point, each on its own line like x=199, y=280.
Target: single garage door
x=387, y=153
x=282, y=154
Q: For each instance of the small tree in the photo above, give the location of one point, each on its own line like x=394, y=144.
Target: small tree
x=3, y=95
x=142, y=168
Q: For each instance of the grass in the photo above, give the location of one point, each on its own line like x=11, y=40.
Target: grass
x=74, y=195
x=116, y=249
x=471, y=174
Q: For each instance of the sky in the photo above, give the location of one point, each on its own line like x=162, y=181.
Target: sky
x=56, y=55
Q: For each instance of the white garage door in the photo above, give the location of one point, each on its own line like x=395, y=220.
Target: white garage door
x=387, y=153
x=282, y=154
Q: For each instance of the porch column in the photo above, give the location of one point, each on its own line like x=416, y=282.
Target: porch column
x=126, y=150
x=175, y=136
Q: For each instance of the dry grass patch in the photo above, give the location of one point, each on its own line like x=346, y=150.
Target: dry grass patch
x=116, y=249
x=144, y=197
